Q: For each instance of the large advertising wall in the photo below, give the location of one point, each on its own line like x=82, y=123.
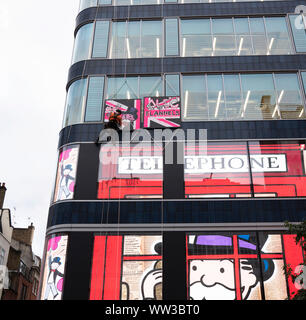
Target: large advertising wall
x=219, y=266
x=222, y=170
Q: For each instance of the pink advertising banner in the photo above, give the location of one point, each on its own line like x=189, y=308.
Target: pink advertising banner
x=130, y=111
x=162, y=112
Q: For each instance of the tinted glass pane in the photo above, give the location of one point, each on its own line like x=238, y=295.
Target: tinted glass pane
x=298, y=27
x=132, y=42
x=233, y=96
x=151, y=39
x=101, y=39
x=244, y=41
x=82, y=45
x=258, y=97
x=194, y=98
x=118, y=42
x=87, y=3
x=172, y=37
x=258, y=36
x=196, y=39
x=172, y=85
x=122, y=88
x=224, y=42
x=216, y=107
x=278, y=37
x=289, y=99
x=75, y=102
x=151, y=87
x=94, y=99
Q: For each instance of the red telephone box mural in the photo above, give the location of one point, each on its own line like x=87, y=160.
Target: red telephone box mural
x=220, y=266
x=132, y=173
x=240, y=266
x=277, y=170
x=222, y=170
x=126, y=268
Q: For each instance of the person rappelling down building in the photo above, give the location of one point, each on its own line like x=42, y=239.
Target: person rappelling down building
x=115, y=120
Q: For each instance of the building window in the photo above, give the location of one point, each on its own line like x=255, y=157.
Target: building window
x=134, y=87
x=86, y=4
x=198, y=37
x=75, y=102
x=84, y=101
x=100, y=46
x=136, y=39
x=23, y=269
x=23, y=294
x=35, y=287
x=83, y=43
x=242, y=97
x=235, y=36
x=171, y=37
x=94, y=99
x=298, y=26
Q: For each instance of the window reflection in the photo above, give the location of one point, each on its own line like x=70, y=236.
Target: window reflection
x=194, y=97
x=289, y=100
x=258, y=97
x=223, y=37
x=136, y=39
x=82, y=44
x=196, y=38
x=244, y=40
x=75, y=102
x=235, y=36
x=277, y=32
x=298, y=27
x=242, y=97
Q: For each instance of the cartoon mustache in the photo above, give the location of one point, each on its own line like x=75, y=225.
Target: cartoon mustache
x=217, y=291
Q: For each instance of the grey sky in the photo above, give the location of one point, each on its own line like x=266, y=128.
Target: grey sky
x=36, y=49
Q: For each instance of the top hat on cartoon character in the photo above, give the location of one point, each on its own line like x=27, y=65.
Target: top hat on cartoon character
x=68, y=167
x=57, y=260
x=218, y=244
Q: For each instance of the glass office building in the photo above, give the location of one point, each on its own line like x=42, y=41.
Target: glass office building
x=229, y=76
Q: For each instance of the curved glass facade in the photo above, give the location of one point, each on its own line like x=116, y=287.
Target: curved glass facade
x=92, y=3
x=185, y=38
x=205, y=97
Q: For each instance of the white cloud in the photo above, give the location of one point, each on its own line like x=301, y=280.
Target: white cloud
x=34, y=63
